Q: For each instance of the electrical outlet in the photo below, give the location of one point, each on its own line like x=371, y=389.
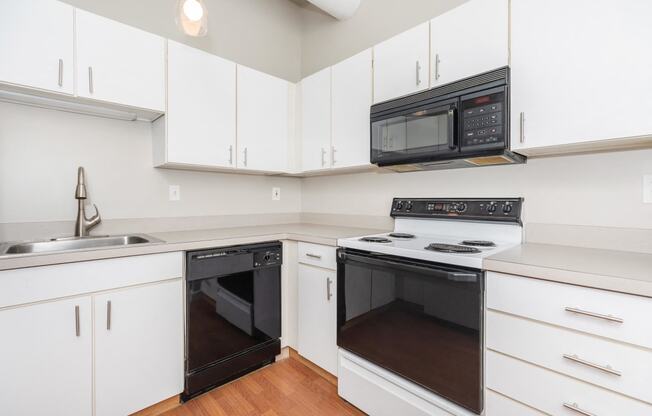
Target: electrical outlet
x=647, y=189
x=175, y=192
x=276, y=194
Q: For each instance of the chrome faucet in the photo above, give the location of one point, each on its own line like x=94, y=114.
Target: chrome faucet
x=83, y=224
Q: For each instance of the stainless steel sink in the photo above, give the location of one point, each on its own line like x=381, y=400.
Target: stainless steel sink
x=75, y=243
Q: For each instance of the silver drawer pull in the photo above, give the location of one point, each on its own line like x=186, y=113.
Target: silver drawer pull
x=595, y=315
x=606, y=368
x=576, y=408
x=313, y=256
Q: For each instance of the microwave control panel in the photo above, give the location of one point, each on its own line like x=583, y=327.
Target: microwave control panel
x=483, y=120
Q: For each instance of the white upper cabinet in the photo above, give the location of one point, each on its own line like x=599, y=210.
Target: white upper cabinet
x=36, y=44
x=201, y=110
x=138, y=347
x=316, y=120
x=580, y=71
x=46, y=356
x=468, y=40
x=118, y=63
x=401, y=64
x=263, y=121
x=351, y=103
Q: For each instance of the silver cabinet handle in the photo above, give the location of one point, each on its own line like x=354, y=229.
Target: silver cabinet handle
x=314, y=256
x=108, y=315
x=77, y=327
x=61, y=72
x=329, y=295
x=437, y=66
x=606, y=368
x=323, y=157
x=245, y=156
x=522, y=120
x=418, y=68
x=595, y=315
x=576, y=408
x=91, y=89
x=231, y=155
x=333, y=150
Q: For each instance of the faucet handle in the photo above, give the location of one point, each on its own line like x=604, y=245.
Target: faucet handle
x=94, y=220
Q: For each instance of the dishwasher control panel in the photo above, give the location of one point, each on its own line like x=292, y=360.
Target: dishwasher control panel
x=269, y=257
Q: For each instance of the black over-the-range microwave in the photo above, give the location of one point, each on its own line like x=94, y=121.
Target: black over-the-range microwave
x=462, y=124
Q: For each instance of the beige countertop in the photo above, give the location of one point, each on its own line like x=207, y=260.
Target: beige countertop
x=194, y=240
x=619, y=271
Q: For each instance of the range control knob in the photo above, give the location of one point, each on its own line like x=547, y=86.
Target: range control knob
x=508, y=208
x=399, y=205
x=492, y=207
x=461, y=207
x=408, y=207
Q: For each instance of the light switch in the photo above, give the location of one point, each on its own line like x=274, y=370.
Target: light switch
x=175, y=192
x=647, y=189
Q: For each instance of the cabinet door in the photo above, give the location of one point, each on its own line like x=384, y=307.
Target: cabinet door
x=118, y=63
x=46, y=359
x=36, y=44
x=352, y=90
x=263, y=121
x=138, y=347
x=316, y=120
x=579, y=71
x=482, y=44
x=317, y=337
x=201, y=108
x=401, y=64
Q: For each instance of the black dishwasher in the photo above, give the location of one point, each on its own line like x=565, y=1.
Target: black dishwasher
x=233, y=313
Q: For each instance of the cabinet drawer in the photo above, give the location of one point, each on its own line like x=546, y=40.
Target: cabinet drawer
x=499, y=405
x=575, y=354
x=317, y=255
x=49, y=282
x=551, y=392
x=608, y=314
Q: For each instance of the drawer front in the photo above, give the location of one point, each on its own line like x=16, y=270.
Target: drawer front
x=613, y=365
x=49, y=282
x=318, y=255
x=551, y=392
x=608, y=314
x=499, y=405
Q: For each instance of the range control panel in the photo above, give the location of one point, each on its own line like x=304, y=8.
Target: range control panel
x=469, y=209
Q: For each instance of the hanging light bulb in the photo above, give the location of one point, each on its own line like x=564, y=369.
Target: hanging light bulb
x=192, y=17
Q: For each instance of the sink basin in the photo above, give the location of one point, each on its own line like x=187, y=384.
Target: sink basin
x=75, y=243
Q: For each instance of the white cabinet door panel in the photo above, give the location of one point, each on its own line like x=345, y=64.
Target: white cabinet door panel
x=468, y=40
x=401, y=64
x=138, y=347
x=317, y=336
x=352, y=91
x=316, y=120
x=46, y=364
x=36, y=44
x=263, y=121
x=118, y=63
x=575, y=80
x=201, y=113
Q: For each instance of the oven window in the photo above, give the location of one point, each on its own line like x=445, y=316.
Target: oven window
x=413, y=134
x=423, y=327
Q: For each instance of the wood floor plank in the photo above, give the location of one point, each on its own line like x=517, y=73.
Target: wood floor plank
x=286, y=388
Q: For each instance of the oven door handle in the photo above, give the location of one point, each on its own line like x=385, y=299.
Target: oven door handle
x=461, y=276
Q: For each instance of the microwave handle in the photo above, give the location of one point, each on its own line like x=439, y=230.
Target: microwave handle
x=451, y=129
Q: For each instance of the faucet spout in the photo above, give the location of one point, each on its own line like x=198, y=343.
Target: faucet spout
x=83, y=224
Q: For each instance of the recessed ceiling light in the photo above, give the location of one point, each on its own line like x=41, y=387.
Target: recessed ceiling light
x=192, y=17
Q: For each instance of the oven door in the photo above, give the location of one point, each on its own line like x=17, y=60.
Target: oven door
x=420, y=320
x=415, y=135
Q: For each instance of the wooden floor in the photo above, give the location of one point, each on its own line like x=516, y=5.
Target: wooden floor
x=287, y=387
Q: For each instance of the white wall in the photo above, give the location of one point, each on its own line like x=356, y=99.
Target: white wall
x=598, y=190
x=41, y=149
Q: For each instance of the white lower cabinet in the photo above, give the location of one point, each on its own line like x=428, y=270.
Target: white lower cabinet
x=138, y=347
x=317, y=320
x=46, y=359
